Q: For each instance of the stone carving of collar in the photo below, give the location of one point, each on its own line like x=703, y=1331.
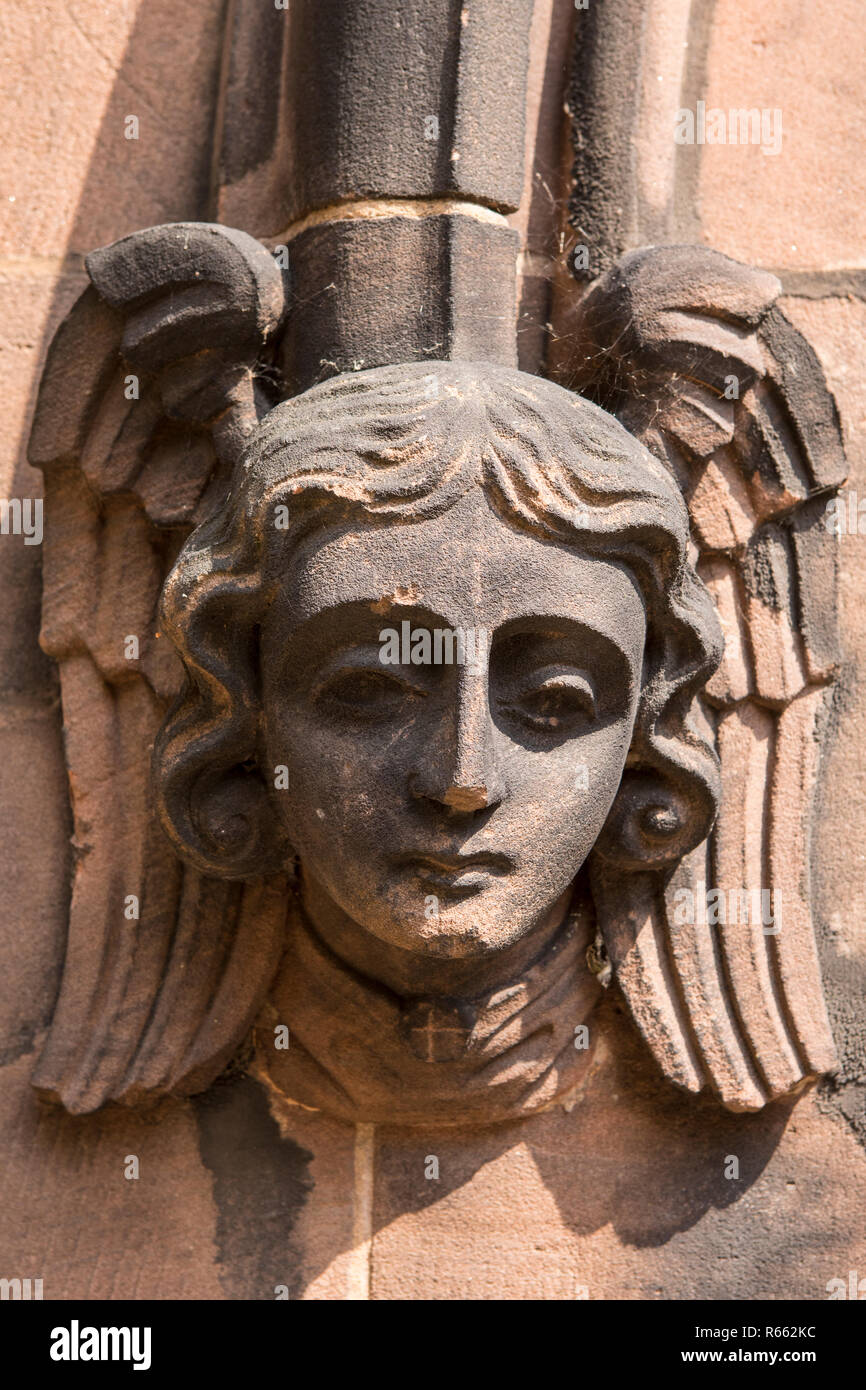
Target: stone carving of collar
x=361, y=1053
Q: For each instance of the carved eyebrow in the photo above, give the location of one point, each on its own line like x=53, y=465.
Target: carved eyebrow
x=367, y=608
x=363, y=656
x=545, y=628
x=357, y=655
x=320, y=664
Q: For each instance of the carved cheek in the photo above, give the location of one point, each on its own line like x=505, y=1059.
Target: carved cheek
x=571, y=789
x=342, y=783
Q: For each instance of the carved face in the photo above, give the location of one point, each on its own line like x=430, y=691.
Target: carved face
x=442, y=809
x=442, y=796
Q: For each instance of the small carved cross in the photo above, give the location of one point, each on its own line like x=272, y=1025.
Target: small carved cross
x=438, y=1030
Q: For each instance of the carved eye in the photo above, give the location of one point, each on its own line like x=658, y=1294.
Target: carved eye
x=557, y=703
x=365, y=694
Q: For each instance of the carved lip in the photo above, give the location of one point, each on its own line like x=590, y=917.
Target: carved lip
x=457, y=875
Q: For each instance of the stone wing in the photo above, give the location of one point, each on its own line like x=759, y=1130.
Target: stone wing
x=150, y=388
x=695, y=356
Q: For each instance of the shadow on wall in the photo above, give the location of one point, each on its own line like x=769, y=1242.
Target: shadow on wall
x=172, y=80
x=634, y=1155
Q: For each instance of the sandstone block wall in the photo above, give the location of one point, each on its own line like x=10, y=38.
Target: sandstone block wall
x=624, y=1196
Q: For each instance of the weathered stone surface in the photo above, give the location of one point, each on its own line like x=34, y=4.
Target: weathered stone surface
x=640, y=64
x=702, y=364
x=34, y=824
x=332, y=1227
x=72, y=180
x=644, y=1212
x=801, y=207
x=733, y=681
x=71, y=1217
x=625, y=1195
x=399, y=288
x=658, y=316
x=377, y=848
x=32, y=303
x=837, y=329
x=450, y=94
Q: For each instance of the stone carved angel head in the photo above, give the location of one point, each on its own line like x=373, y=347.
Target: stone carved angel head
x=427, y=871
x=440, y=813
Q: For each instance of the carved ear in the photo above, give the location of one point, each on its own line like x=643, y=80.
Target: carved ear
x=213, y=794
x=222, y=822
x=657, y=817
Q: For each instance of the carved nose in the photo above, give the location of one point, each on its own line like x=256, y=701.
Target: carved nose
x=463, y=772
x=460, y=798
x=462, y=791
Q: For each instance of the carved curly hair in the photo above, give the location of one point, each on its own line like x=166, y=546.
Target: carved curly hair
x=396, y=444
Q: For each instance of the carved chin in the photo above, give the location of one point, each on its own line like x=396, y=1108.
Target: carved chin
x=361, y=1052
x=473, y=926
x=461, y=915
x=457, y=930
